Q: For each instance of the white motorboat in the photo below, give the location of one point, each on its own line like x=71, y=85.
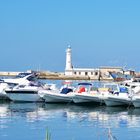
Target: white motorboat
x=85, y=93
x=134, y=84
x=21, y=78
x=87, y=97
x=57, y=96
x=118, y=100
x=119, y=96
x=24, y=93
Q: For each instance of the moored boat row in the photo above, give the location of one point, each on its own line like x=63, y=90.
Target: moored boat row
x=25, y=88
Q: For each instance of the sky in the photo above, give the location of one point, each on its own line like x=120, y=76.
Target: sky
x=34, y=34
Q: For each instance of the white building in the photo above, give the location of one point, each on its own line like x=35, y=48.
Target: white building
x=70, y=70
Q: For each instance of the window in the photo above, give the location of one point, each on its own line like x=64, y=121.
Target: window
x=96, y=73
x=32, y=78
x=86, y=73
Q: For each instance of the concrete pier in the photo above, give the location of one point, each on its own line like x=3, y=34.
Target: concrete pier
x=58, y=76
x=2, y=73
x=62, y=76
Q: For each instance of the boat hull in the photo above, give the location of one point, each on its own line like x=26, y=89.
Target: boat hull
x=53, y=98
x=136, y=102
x=85, y=98
x=117, y=101
x=24, y=96
x=58, y=97
x=3, y=96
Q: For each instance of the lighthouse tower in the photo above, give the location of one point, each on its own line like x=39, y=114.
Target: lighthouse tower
x=68, y=68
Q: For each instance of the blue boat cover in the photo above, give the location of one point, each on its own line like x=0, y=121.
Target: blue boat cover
x=85, y=84
x=123, y=89
x=66, y=90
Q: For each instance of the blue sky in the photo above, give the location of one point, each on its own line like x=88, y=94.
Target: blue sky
x=34, y=34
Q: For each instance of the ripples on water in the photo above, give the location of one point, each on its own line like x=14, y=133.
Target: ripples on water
x=29, y=121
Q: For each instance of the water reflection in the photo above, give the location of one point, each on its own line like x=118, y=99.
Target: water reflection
x=60, y=117
x=101, y=115
x=4, y=112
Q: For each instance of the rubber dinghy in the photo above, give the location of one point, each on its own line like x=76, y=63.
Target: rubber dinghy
x=121, y=97
x=86, y=93
x=57, y=96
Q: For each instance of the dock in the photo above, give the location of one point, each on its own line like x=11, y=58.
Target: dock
x=57, y=76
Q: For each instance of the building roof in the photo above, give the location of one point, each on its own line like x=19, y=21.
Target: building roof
x=85, y=69
x=110, y=67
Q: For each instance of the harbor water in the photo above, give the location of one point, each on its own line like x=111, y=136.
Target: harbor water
x=32, y=121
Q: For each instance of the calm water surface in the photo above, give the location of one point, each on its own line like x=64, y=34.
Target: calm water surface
x=30, y=121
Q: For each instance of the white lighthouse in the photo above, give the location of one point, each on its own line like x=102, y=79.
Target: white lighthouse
x=68, y=68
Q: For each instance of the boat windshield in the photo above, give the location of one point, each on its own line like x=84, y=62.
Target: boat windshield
x=21, y=75
x=32, y=78
x=84, y=87
x=112, y=86
x=36, y=83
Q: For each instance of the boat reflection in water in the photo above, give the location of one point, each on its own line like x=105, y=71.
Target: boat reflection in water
x=92, y=121
x=107, y=116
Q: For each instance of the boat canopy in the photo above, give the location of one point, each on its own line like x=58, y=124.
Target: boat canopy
x=85, y=84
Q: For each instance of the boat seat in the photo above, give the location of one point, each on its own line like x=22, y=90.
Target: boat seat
x=103, y=89
x=81, y=89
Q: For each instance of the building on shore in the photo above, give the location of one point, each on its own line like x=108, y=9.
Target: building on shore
x=101, y=72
